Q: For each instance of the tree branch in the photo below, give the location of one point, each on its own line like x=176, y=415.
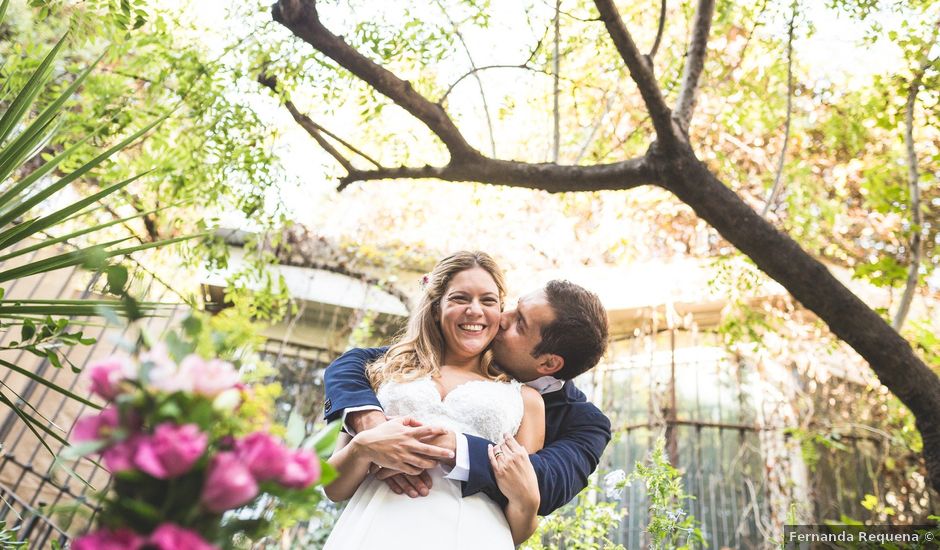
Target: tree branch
x=473, y=65
x=315, y=130
x=775, y=190
x=556, y=91
x=917, y=245
x=695, y=61
x=549, y=177
x=659, y=30
x=475, y=70
x=640, y=70
x=300, y=16
x=608, y=101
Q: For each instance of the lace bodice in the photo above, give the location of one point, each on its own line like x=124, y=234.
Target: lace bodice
x=483, y=408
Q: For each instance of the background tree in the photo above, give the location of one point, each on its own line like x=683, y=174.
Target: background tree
x=665, y=146
x=211, y=158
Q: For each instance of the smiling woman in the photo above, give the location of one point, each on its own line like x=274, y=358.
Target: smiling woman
x=469, y=317
x=423, y=349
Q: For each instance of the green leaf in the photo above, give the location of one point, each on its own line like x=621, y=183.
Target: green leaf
x=23, y=231
x=57, y=240
x=327, y=472
x=177, y=347
x=34, y=425
x=324, y=441
x=79, y=450
x=296, y=430
x=117, y=278
x=24, y=206
x=28, y=330
x=54, y=358
x=24, y=99
x=192, y=326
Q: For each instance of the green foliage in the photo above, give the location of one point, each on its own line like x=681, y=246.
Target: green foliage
x=583, y=524
x=8, y=538
x=30, y=121
x=812, y=440
x=670, y=526
x=211, y=156
x=739, y=279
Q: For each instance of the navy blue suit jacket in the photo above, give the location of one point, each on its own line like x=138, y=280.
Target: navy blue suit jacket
x=576, y=433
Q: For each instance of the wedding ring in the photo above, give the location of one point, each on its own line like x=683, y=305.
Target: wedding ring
x=497, y=453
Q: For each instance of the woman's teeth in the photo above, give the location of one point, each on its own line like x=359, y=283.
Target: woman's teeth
x=471, y=328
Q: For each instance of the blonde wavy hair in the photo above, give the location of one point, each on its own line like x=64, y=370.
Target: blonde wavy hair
x=420, y=349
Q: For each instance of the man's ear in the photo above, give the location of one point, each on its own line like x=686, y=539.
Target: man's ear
x=549, y=364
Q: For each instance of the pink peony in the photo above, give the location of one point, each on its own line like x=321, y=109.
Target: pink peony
x=264, y=455
x=106, y=376
x=104, y=539
x=99, y=426
x=120, y=456
x=171, y=451
x=210, y=378
x=302, y=469
x=229, y=484
x=170, y=536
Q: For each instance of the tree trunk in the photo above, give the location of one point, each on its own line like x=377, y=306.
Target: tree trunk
x=811, y=283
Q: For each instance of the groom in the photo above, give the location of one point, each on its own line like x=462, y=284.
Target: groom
x=553, y=335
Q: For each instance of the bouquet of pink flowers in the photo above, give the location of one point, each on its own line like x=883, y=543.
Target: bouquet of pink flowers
x=186, y=441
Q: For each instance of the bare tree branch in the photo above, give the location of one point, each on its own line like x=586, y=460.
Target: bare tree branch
x=549, y=177
x=300, y=17
x=556, y=71
x=659, y=30
x=695, y=61
x=473, y=65
x=570, y=15
x=476, y=70
x=775, y=190
x=315, y=130
x=608, y=101
x=640, y=70
x=917, y=245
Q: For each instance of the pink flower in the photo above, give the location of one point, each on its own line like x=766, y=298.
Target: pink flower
x=104, y=539
x=210, y=378
x=170, y=536
x=120, y=456
x=171, y=451
x=106, y=376
x=99, y=426
x=229, y=484
x=264, y=455
x=163, y=373
x=302, y=470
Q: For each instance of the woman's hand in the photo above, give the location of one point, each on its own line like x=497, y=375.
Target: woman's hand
x=516, y=479
x=400, y=444
x=514, y=473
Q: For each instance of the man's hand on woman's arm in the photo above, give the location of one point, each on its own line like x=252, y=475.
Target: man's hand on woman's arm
x=360, y=421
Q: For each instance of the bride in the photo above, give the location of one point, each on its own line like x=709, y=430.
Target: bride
x=439, y=377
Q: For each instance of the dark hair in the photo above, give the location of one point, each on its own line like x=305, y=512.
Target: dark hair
x=579, y=332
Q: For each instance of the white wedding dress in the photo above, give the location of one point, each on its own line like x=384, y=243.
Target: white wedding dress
x=378, y=519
